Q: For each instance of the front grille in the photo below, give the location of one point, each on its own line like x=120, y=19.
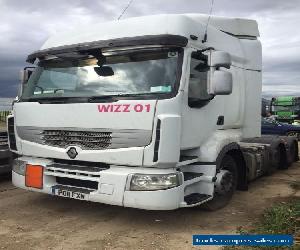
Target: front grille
x=3, y=141
x=84, y=139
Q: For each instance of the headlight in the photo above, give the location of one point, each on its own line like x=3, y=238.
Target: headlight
x=150, y=182
x=19, y=166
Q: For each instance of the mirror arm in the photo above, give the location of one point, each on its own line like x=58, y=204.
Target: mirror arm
x=206, y=49
x=200, y=56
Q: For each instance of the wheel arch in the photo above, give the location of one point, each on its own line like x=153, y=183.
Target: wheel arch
x=233, y=149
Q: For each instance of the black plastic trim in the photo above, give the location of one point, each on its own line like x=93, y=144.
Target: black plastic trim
x=77, y=183
x=195, y=198
x=80, y=164
x=220, y=120
x=242, y=168
x=157, y=141
x=11, y=133
x=203, y=163
x=224, y=151
x=191, y=175
x=187, y=158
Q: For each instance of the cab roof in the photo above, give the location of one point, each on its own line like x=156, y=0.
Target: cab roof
x=173, y=24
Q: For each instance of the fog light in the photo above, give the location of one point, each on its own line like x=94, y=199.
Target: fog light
x=19, y=166
x=149, y=182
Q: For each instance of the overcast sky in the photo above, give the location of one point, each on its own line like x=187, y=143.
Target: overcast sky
x=25, y=25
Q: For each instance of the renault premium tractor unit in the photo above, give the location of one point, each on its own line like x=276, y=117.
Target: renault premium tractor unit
x=157, y=112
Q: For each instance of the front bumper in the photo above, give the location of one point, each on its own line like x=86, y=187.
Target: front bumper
x=112, y=186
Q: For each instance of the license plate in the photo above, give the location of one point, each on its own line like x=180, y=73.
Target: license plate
x=69, y=194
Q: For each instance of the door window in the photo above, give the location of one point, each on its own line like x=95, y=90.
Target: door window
x=198, y=84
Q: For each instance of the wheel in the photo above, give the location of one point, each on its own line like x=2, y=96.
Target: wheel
x=293, y=151
x=225, y=185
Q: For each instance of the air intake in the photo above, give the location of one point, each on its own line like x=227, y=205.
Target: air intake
x=11, y=133
x=157, y=140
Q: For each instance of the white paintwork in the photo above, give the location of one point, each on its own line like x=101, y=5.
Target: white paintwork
x=209, y=151
x=176, y=24
x=67, y=115
x=126, y=156
x=169, y=139
x=184, y=130
x=235, y=26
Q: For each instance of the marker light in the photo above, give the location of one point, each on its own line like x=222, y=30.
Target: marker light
x=150, y=182
x=34, y=176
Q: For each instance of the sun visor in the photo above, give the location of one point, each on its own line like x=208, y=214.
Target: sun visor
x=164, y=40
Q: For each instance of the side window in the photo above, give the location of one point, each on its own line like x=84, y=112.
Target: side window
x=198, y=82
x=56, y=79
x=51, y=79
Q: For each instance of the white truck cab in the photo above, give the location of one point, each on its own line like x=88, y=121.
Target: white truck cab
x=144, y=112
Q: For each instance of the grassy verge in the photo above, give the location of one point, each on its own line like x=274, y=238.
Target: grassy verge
x=282, y=218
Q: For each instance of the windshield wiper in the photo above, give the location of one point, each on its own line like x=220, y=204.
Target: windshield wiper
x=83, y=99
x=105, y=98
x=61, y=99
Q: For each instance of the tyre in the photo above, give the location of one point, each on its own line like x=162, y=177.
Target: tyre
x=293, y=151
x=280, y=158
x=225, y=185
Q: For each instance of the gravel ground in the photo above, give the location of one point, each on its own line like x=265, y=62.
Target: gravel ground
x=36, y=221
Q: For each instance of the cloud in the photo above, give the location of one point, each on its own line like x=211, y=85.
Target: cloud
x=275, y=90
x=25, y=25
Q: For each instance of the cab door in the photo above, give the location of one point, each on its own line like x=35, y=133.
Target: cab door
x=201, y=112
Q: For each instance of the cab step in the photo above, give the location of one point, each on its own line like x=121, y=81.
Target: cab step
x=196, y=198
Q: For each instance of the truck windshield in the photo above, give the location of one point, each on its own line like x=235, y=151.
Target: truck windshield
x=294, y=108
x=141, y=72
x=278, y=108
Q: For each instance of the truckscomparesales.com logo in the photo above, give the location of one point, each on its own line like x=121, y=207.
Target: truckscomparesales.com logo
x=119, y=108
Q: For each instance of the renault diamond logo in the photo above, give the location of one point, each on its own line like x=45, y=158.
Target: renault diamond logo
x=72, y=153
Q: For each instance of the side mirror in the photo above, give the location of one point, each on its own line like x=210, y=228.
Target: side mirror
x=221, y=83
x=24, y=77
x=219, y=59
